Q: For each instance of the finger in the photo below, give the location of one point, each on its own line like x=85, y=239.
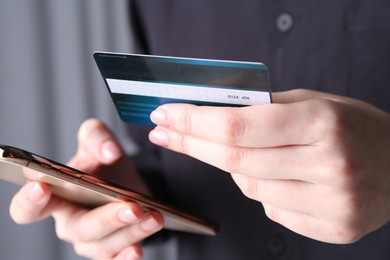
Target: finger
x=150, y=223
x=33, y=202
x=293, y=195
x=295, y=221
x=271, y=125
x=97, y=144
x=308, y=163
x=113, y=244
x=90, y=225
x=130, y=253
x=313, y=227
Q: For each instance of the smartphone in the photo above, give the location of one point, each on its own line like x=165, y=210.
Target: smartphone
x=92, y=191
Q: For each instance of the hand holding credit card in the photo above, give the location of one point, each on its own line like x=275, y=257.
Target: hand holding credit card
x=138, y=84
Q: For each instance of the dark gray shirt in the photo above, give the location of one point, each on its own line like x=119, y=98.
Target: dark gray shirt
x=337, y=46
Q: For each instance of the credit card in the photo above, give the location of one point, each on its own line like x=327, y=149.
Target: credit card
x=138, y=84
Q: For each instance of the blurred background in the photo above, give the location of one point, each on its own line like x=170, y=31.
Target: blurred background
x=49, y=84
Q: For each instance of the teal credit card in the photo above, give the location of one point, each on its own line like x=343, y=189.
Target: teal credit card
x=138, y=84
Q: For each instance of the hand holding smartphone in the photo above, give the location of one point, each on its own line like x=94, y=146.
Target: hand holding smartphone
x=91, y=191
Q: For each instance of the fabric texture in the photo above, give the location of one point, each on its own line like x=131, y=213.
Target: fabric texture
x=341, y=47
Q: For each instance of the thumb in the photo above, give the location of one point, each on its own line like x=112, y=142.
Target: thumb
x=28, y=204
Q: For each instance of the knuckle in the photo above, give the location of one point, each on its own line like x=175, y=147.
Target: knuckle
x=232, y=158
x=183, y=144
x=61, y=233
x=347, y=168
x=325, y=115
x=343, y=234
x=83, y=250
x=346, y=208
x=105, y=252
x=94, y=250
x=108, y=222
x=79, y=237
x=340, y=165
x=249, y=187
x=348, y=225
x=336, y=134
x=78, y=248
x=331, y=120
x=233, y=128
x=353, y=205
x=186, y=121
x=272, y=213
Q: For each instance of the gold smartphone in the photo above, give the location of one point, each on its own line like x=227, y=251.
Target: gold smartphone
x=89, y=190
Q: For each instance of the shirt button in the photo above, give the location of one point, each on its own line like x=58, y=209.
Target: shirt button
x=284, y=22
x=276, y=245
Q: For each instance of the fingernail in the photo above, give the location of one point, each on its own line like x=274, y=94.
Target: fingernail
x=111, y=151
x=159, y=117
x=150, y=224
x=36, y=193
x=159, y=136
x=126, y=215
